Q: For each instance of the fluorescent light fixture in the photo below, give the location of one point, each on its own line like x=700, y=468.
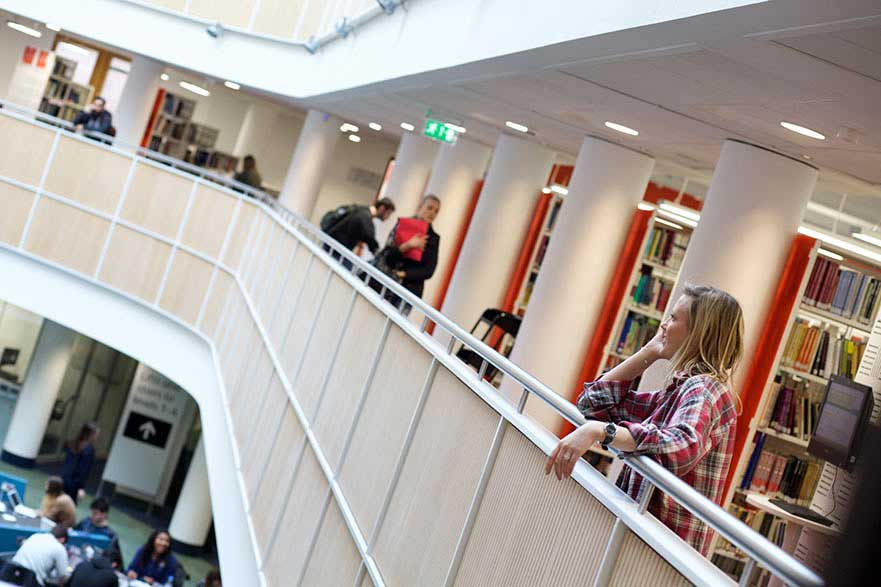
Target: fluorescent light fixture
x=516, y=126
x=459, y=129
x=75, y=48
x=545, y=190
x=355, y=138
x=678, y=218
x=348, y=127
x=375, y=126
x=867, y=238
x=23, y=29
x=680, y=211
x=53, y=27
x=558, y=189
x=802, y=130
x=830, y=254
x=194, y=88
x=645, y=206
x=621, y=128
x=408, y=127
x=164, y=77
x=840, y=243
x=668, y=223
x=232, y=85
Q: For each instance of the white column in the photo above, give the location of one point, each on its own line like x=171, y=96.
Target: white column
x=608, y=182
x=136, y=101
x=192, y=514
x=457, y=168
x=309, y=165
x=751, y=214
x=517, y=173
x=38, y=394
x=406, y=186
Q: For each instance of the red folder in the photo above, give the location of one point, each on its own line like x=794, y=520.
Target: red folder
x=407, y=229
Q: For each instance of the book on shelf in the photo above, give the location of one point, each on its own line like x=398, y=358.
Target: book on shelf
x=666, y=246
x=791, y=410
x=848, y=293
x=822, y=351
x=778, y=474
x=635, y=333
x=552, y=216
x=651, y=290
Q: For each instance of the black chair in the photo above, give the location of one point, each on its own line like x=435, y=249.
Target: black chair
x=18, y=575
x=494, y=320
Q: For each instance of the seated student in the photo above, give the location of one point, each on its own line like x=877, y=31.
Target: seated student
x=40, y=557
x=212, y=579
x=57, y=505
x=153, y=563
x=96, y=523
x=98, y=572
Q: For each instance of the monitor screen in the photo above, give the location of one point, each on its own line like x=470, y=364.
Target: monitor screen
x=840, y=421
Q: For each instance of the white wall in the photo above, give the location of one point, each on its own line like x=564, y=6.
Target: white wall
x=12, y=45
x=372, y=154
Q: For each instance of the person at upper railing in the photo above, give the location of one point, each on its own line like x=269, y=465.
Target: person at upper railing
x=94, y=119
x=688, y=426
x=353, y=224
x=249, y=174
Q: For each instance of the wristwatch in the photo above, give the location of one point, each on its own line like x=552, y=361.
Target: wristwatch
x=610, y=430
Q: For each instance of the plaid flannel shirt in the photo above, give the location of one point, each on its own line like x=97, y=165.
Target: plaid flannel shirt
x=687, y=427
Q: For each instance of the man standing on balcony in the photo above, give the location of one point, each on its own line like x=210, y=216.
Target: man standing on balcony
x=351, y=225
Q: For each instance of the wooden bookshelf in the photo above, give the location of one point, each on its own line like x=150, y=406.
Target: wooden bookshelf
x=657, y=268
x=845, y=329
x=538, y=254
x=63, y=98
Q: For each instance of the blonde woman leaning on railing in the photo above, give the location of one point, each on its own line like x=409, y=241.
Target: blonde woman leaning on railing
x=688, y=426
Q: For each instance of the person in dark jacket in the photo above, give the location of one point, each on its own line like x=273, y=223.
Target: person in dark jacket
x=98, y=572
x=357, y=226
x=79, y=455
x=249, y=174
x=153, y=562
x=96, y=523
x=96, y=119
x=412, y=274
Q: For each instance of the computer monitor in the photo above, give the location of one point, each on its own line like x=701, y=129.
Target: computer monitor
x=10, y=494
x=842, y=422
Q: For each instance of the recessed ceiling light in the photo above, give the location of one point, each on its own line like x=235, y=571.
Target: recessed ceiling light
x=53, y=27
x=621, y=128
x=802, y=130
x=232, y=85
x=872, y=240
x=348, y=127
x=408, y=127
x=516, y=126
x=807, y=157
x=645, y=206
x=164, y=77
x=355, y=138
x=194, y=88
x=830, y=254
x=375, y=126
x=456, y=127
x=24, y=29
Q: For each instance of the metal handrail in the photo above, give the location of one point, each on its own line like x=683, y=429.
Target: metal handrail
x=756, y=546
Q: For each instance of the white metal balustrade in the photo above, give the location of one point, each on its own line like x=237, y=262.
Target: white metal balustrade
x=367, y=452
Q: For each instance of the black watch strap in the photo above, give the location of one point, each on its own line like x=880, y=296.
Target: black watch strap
x=610, y=430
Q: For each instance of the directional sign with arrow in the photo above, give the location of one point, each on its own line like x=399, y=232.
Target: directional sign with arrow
x=146, y=429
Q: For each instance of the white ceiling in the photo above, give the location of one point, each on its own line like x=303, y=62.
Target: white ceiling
x=684, y=101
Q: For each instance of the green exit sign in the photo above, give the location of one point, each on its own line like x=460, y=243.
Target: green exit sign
x=439, y=131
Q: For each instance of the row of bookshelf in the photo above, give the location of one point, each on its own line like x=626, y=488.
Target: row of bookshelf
x=820, y=349
x=809, y=311
x=792, y=409
x=843, y=292
x=666, y=246
x=773, y=473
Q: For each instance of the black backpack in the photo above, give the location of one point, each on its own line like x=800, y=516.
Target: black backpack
x=335, y=217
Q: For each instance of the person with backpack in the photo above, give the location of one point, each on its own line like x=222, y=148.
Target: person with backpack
x=353, y=224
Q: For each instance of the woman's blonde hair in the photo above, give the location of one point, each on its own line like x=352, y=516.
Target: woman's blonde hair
x=714, y=344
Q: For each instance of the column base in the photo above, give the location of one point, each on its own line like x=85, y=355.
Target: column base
x=14, y=459
x=179, y=547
